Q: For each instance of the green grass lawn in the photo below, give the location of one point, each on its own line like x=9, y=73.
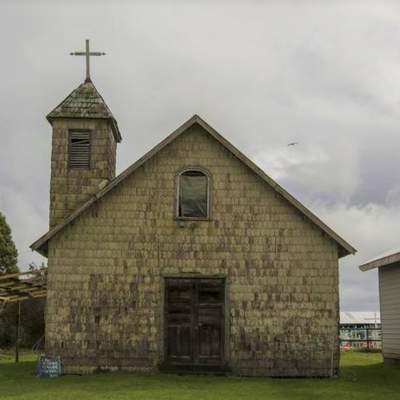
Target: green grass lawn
x=363, y=376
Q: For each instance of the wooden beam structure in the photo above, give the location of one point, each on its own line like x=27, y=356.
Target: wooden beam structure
x=15, y=288
x=23, y=286
x=17, y=332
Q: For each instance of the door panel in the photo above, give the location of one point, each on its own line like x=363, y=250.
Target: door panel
x=194, y=316
x=179, y=343
x=179, y=320
x=210, y=334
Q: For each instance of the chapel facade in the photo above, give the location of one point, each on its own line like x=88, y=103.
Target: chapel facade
x=191, y=259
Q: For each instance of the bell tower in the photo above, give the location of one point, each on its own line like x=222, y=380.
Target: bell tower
x=84, y=146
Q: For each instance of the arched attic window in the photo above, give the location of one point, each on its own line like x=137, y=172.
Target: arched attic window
x=193, y=194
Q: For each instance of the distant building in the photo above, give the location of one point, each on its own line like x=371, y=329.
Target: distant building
x=360, y=330
x=389, y=293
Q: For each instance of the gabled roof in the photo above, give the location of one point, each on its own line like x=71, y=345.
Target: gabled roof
x=344, y=248
x=389, y=257
x=85, y=102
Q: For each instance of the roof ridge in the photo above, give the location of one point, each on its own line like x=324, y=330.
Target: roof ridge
x=102, y=98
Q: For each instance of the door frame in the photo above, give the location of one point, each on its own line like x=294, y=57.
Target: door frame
x=163, y=333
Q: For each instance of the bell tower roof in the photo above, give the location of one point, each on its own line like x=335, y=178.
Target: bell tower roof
x=85, y=102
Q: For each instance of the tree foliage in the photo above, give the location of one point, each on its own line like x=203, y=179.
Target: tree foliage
x=32, y=323
x=8, y=251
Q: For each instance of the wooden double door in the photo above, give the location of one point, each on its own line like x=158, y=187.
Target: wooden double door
x=194, y=322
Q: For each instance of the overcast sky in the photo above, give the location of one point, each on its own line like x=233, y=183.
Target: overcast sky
x=263, y=74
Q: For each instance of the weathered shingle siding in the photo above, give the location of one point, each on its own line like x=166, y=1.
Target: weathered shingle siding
x=71, y=188
x=104, y=284
x=389, y=288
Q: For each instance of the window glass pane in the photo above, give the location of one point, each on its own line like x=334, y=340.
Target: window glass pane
x=193, y=195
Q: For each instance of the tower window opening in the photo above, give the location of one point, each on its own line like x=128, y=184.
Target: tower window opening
x=79, y=149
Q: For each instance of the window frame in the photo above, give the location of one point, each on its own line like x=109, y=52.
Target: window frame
x=88, y=167
x=209, y=180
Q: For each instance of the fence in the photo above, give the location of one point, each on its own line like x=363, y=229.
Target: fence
x=360, y=337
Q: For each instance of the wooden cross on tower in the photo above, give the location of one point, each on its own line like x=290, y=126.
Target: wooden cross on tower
x=87, y=53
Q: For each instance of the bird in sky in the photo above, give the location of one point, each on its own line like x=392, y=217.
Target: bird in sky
x=293, y=144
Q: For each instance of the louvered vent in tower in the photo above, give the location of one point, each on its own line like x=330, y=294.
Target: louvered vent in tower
x=79, y=149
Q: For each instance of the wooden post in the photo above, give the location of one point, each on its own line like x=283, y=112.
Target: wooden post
x=17, y=334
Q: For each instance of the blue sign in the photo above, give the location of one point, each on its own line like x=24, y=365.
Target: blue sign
x=49, y=367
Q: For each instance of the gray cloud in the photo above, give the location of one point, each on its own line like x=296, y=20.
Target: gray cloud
x=264, y=74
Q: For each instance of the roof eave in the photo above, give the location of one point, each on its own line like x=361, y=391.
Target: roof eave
x=40, y=245
x=380, y=262
x=347, y=249
x=41, y=248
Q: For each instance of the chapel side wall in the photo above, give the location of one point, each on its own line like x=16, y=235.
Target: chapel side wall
x=105, y=271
